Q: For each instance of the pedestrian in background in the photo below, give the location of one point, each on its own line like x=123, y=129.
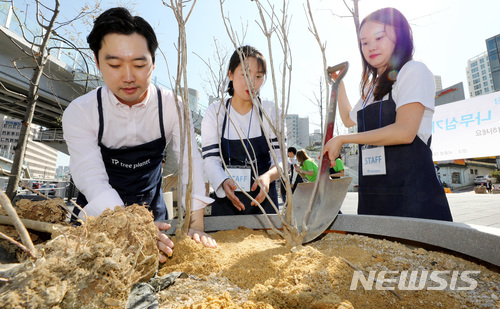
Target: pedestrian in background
x=296, y=178
x=488, y=185
x=338, y=170
x=307, y=168
x=293, y=176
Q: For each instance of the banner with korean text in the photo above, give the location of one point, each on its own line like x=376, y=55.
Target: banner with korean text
x=467, y=129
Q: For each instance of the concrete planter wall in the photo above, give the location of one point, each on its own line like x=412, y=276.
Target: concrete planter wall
x=473, y=240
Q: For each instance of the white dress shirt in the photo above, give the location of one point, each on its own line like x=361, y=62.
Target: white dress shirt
x=292, y=162
x=124, y=126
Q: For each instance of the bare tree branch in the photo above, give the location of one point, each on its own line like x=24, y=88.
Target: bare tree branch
x=23, y=233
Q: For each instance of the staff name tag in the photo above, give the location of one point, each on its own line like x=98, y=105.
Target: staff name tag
x=242, y=177
x=373, y=160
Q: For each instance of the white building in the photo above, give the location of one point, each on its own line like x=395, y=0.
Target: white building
x=297, y=129
x=315, y=138
x=438, y=82
x=479, y=75
x=41, y=159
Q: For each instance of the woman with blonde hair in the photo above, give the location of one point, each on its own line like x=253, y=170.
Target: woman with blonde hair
x=308, y=168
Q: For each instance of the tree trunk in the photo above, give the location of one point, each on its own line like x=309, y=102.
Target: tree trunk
x=31, y=100
x=24, y=134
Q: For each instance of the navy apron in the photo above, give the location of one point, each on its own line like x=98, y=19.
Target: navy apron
x=411, y=187
x=134, y=172
x=223, y=206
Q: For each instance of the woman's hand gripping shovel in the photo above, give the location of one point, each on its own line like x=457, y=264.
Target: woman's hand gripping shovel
x=317, y=204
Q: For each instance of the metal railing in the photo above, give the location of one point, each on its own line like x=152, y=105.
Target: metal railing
x=49, y=135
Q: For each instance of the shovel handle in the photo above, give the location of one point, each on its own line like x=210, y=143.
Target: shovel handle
x=342, y=67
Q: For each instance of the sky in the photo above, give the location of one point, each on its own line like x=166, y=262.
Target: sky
x=446, y=34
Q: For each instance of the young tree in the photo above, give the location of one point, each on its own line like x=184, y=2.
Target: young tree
x=38, y=51
x=181, y=88
x=319, y=103
x=274, y=27
x=274, y=24
x=354, y=11
x=216, y=71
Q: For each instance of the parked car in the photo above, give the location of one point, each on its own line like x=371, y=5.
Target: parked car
x=49, y=189
x=482, y=179
x=36, y=185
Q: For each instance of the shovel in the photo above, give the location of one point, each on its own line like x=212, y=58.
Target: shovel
x=317, y=204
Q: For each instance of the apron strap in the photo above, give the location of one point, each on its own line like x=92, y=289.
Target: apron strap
x=160, y=111
x=101, y=114
x=225, y=118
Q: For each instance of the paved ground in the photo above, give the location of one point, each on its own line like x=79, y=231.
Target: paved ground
x=466, y=207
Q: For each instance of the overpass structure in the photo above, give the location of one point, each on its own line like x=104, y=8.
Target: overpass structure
x=62, y=80
x=58, y=86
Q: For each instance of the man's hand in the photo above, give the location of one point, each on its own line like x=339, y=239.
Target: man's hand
x=196, y=230
x=165, y=245
x=229, y=186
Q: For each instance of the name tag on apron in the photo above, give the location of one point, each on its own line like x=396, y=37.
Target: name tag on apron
x=241, y=174
x=373, y=160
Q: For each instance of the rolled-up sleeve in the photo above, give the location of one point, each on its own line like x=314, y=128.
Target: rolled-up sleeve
x=210, y=136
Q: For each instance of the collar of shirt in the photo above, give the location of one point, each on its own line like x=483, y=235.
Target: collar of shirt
x=130, y=126
x=116, y=103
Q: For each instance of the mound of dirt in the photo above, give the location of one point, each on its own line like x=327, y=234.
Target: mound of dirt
x=256, y=269
x=49, y=210
x=91, y=266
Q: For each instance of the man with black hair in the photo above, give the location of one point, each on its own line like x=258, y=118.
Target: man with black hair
x=295, y=178
x=116, y=134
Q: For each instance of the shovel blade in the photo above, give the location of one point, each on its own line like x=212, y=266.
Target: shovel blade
x=325, y=206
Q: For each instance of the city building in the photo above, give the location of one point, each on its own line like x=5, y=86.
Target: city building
x=493, y=50
x=438, y=82
x=450, y=94
x=62, y=172
x=479, y=77
x=9, y=133
x=297, y=131
x=40, y=158
x=212, y=99
x=315, y=138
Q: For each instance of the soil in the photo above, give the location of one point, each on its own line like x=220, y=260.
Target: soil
x=90, y=266
x=50, y=210
x=256, y=269
x=94, y=266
